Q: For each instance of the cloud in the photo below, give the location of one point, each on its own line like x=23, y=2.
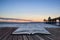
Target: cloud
x=13, y=19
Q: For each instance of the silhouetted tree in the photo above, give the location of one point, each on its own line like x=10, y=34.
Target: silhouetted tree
x=49, y=18
x=44, y=20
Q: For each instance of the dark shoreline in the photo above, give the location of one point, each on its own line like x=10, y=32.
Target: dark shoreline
x=18, y=22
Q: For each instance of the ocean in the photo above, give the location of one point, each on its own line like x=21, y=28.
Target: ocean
x=41, y=24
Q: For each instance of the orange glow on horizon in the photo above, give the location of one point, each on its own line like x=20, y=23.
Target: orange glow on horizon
x=33, y=20
x=13, y=21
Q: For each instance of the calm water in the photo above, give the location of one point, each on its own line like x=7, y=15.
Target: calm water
x=28, y=24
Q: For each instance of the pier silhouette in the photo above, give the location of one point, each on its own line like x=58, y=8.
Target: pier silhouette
x=53, y=21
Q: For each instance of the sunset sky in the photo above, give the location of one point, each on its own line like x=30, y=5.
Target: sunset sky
x=35, y=10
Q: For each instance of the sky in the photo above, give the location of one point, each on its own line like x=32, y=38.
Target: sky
x=35, y=10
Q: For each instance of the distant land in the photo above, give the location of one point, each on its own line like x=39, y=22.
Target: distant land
x=2, y=19
x=17, y=22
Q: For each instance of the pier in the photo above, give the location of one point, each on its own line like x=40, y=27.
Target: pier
x=53, y=21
